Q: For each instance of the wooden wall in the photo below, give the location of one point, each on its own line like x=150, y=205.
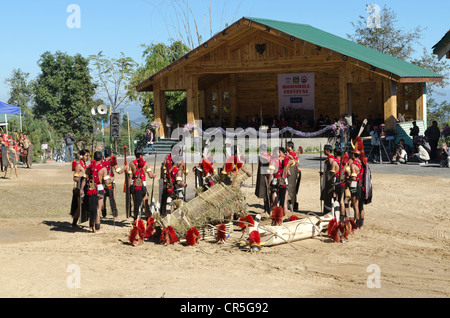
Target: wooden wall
x=234, y=66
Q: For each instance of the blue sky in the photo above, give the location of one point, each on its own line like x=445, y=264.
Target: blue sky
x=29, y=27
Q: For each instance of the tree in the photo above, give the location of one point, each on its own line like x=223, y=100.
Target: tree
x=390, y=39
x=387, y=37
x=112, y=76
x=439, y=112
x=431, y=63
x=21, y=92
x=64, y=93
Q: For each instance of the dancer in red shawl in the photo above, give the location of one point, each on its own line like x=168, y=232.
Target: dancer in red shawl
x=294, y=175
x=356, y=175
x=139, y=170
x=277, y=179
x=262, y=190
x=97, y=175
x=234, y=162
x=79, y=169
x=204, y=172
x=110, y=163
x=328, y=195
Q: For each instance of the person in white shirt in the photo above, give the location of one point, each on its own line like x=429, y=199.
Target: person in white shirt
x=375, y=142
x=422, y=155
x=400, y=155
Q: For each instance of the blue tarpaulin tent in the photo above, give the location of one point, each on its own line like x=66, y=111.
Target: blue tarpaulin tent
x=9, y=109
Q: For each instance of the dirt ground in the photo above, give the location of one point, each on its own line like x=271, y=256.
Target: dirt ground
x=403, y=250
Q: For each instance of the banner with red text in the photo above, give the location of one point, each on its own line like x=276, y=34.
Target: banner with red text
x=296, y=96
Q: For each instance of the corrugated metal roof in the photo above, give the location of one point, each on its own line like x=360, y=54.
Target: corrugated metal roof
x=348, y=48
x=442, y=42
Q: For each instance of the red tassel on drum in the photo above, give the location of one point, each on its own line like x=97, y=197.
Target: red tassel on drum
x=192, y=236
x=168, y=236
x=353, y=224
x=221, y=235
x=242, y=224
x=331, y=226
x=277, y=215
x=334, y=232
x=132, y=236
x=254, y=238
x=149, y=231
x=293, y=218
x=141, y=228
x=246, y=221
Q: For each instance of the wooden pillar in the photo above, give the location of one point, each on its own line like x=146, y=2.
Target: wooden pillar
x=202, y=103
x=343, y=97
x=420, y=102
x=233, y=99
x=390, y=103
x=159, y=108
x=192, y=100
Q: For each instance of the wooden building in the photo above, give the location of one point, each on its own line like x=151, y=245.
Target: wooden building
x=235, y=74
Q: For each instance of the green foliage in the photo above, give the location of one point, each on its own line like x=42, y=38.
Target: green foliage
x=389, y=38
x=111, y=76
x=21, y=92
x=439, y=112
x=430, y=62
x=64, y=93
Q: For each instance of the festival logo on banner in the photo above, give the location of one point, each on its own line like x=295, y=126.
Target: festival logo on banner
x=296, y=95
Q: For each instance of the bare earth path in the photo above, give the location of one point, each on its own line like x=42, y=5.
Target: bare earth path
x=403, y=250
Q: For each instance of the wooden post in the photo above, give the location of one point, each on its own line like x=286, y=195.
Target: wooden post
x=129, y=138
x=192, y=100
x=233, y=99
x=159, y=104
x=420, y=102
x=390, y=103
x=342, y=90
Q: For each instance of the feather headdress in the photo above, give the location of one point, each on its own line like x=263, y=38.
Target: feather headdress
x=207, y=167
x=358, y=145
x=113, y=160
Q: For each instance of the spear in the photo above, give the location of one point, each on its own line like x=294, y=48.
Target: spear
x=321, y=176
x=153, y=182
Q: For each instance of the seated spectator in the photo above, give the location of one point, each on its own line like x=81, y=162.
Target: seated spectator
x=445, y=156
x=406, y=147
x=422, y=155
x=400, y=155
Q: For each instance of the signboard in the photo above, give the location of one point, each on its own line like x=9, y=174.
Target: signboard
x=296, y=95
